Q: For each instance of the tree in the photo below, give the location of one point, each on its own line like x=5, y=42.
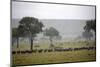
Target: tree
x=87, y=35
x=16, y=33
x=90, y=25
x=58, y=37
x=51, y=32
x=30, y=26
x=15, y=36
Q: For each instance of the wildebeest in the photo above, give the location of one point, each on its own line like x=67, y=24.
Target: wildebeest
x=18, y=52
x=45, y=50
x=22, y=52
x=13, y=52
x=84, y=48
x=28, y=51
x=68, y=49
x=91, y=48
x=40, y=50
x=63, y=49
x=50, y=50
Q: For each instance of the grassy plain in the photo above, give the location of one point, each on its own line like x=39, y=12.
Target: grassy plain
x=54, y=57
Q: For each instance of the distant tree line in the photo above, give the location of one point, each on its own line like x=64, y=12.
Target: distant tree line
x=30, y=26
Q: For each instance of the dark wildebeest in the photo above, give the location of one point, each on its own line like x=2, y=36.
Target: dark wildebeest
x=13, y=52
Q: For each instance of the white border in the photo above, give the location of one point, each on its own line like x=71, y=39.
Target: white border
x=5, y=33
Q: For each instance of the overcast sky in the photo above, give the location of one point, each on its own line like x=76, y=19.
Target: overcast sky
x=63, y=13
x=52, y=11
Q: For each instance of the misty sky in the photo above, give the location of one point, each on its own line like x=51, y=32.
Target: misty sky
x=58, y=12
x=52, y=11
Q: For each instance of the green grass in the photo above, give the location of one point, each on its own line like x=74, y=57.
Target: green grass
x=55, y=57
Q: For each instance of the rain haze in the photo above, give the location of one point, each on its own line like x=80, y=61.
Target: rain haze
x=69, y=20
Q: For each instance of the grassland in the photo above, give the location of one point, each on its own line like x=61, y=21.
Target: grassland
x=54, y=57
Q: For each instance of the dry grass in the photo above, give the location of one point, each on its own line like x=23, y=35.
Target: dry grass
x=55, y=57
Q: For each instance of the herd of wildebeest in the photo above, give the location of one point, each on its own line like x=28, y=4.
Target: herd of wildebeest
x=52, y=50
